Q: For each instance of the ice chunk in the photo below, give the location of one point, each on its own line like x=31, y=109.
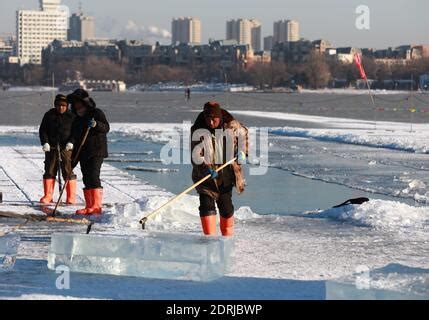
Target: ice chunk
x=393, y=282
x=8, y=250
x=152, y=255
x=416, y=184
x=372, y=163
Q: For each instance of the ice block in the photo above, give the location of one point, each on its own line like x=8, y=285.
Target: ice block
x=8, y=250
x=393, y=282
x=152, y=255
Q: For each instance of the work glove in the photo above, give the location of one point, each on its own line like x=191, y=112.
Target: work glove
x=46, y=147
x=69, y=146
x=92, y=123
x=241, y=157
x=213, y=174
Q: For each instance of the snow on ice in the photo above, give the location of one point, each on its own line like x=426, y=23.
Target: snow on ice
x=391, y=135
x=383, y=215
x=393, y=282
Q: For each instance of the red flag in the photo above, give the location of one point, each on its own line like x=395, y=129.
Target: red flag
x=358, y=61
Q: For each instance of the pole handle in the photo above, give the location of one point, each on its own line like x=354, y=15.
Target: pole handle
x=145, y=219
x=85, y=137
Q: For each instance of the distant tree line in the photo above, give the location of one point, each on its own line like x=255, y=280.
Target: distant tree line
x=316, y=72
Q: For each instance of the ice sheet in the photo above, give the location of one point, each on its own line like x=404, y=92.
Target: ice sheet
x=153, y=255
x=393, y=282
x=383, y=172
x=8, y=250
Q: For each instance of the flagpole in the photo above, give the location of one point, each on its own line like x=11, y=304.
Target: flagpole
x=373, y=103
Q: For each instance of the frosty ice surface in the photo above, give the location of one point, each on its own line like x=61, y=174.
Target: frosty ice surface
x=393, y=282
x=8, y=250
x=152, y=255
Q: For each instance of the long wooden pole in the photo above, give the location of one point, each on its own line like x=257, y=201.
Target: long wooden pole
x=59, y=170
x=40, y=218
x=68, y=177
x=157, y=211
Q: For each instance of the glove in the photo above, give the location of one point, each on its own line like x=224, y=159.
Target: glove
x=241, y=157
x=69, y=146
x=46, y=147
x=213, y=174
x=92, y=123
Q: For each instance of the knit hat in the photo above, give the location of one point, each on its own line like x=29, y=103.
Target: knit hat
x=60, y=98
x=212, y=109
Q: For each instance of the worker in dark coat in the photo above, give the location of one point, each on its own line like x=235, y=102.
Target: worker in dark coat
x=55, y=134
x=208, y=156
x=94, y=149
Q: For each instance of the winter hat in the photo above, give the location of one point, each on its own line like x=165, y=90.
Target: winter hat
x=60, y=98
x=212, y=109
x=82, y=96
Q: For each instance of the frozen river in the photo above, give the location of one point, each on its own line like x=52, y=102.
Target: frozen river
x=284, y=215
x=27, y=108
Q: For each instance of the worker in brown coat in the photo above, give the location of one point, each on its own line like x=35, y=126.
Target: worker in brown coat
x=210, y=151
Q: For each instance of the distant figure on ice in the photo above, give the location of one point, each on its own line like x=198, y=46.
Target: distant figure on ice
x=210, y=152
x=94, y=151
x=55, y=134
x=188, y=94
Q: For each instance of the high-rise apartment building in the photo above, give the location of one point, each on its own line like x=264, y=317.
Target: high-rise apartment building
x=245, y=31
x=36, y=29
x=286, y=31
x=186, y=30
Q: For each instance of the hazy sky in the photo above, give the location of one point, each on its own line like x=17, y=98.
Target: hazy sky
x=393, y=22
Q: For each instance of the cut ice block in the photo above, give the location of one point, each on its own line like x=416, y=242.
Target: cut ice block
x=393, y=282
x=152, y=255
x=8, y=250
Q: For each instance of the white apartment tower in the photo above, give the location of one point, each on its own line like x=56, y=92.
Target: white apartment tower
x=286, y=31
x=245, y=31
x=186, y=30
x=36, y=29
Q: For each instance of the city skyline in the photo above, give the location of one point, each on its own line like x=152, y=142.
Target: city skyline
x=389, y=27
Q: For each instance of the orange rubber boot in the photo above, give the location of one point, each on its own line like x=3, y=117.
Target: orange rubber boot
x=227, y=226
x=71, y=192
x=48, y=186
x=209, y=225
x=97, y=202
x=88, y=201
